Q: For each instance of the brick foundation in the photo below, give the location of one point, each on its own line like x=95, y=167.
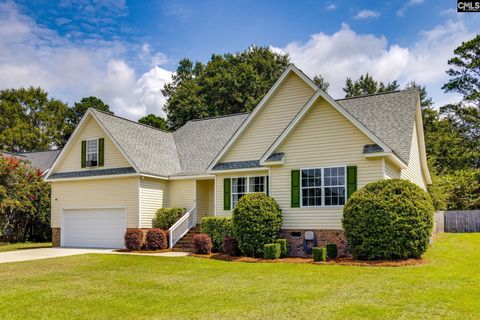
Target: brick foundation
x=295, y=243
x=55, y=237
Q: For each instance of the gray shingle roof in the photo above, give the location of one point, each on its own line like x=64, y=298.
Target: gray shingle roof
x=92, y=173
x=389, y=116
x=199, y=141
x=372, y=148
x=190, y=149
x=187, y=151
x=237, y=165
x=42, y=160
x=151, y=150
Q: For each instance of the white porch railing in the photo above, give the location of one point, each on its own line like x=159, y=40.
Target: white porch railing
x=182, y=226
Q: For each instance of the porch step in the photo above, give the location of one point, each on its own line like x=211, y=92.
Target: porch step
x=186, y=243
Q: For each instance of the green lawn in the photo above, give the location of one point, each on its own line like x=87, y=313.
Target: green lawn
x=142, y=287
x=23, y=245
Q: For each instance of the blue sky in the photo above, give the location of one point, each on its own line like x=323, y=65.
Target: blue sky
x=124, y=52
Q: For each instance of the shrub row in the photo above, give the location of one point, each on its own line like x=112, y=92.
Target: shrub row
x=150, y=239
x=319, y=254
x=272, y=251
x=218, y=229
x=202, y=243
x=166, y=217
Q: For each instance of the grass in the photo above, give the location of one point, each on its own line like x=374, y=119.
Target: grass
x=23, y=245
x=142, y=287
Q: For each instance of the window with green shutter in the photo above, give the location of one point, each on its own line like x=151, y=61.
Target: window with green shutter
x=227, y=194
x=351, y=180
x=295, y=188
x=101, y=152
x=83, y=160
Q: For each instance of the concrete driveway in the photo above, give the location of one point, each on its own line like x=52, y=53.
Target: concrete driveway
x=44, y=253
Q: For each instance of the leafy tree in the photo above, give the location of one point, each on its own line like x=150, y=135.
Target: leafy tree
x=226, y=84
x=30, y=120
x=321, y=83
x=24, y=201
x=76, y=113
x=367, y=85
x=465, y=71
x=154, y=121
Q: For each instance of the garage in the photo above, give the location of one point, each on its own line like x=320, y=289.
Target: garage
x=94, y=228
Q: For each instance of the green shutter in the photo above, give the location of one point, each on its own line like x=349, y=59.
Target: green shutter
x=295, y=188
x=84, y=154
x=351, y=180
x=267, y=185
x=226, y=194
x=101, y=153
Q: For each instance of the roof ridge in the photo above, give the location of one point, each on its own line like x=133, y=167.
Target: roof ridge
x=41, y=151
x=372, y=94
x=219, y=116
x=135, y=122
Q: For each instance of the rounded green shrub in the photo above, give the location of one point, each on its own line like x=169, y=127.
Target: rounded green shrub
x=319, y=254
x=166, y=217
x=217, y=228
x=388, y=220
x=271, y=251
x=257, y=220
x=283, y=247
x=332, y=250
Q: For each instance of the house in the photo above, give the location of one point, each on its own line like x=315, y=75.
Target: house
x=300, y=146
x=41, y=160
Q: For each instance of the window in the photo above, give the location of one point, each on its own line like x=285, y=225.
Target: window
x=323, y=187
x=92, y=150
x=242, y=186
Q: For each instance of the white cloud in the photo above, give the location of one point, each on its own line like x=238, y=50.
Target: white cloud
x=32, y=55
x=331, y=7
x=404, y=8
x=367, y=14
x=347, y=53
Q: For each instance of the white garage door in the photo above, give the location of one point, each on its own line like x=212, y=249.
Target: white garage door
x=99, y=228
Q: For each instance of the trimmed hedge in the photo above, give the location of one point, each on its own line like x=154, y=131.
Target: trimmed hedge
x=319, y=254
x=166, y=217
x=257, y=220
x=134, y=239
x=230, y=246
x=283, y=247
x=271, y=251
x=218, y=228
x=388, y=220
x=332, y=251
x=156, y=239
x=203, y=243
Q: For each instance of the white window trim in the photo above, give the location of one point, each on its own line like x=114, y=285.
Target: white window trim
x=86, y=151
x=247, y=186
x=323, y=187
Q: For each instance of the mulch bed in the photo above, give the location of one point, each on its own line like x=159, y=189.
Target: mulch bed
x=338, y=261
x=143, y=251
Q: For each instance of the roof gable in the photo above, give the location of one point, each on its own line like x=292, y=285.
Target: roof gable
x=277, y=87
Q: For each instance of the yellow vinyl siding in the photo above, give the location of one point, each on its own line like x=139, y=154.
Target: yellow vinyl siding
x=91, y=194
x=153, y=193
x=219, y=187
x=275, y=115
x=204, y=203
x=181, y=194
x=391, y=170
x=414, y=170
x=323, y=138
x=91, y=130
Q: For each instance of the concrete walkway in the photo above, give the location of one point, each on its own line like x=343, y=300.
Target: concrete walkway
x=45, y=253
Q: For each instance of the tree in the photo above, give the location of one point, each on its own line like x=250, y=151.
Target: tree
x=76, y=113
x=367, y=85
x=321, y=83
x=426, y=102
x=465, y=71
x=30, y=120
x=24, y=202
x=154, y=121
x=226, y=84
